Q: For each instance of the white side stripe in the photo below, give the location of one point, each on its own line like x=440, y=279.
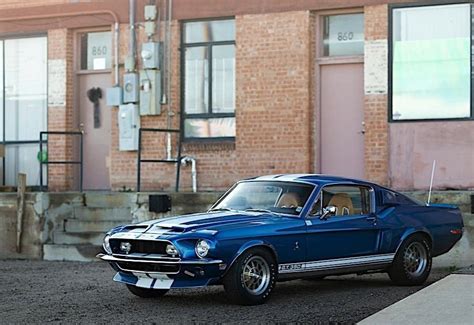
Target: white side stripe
x=335, y=263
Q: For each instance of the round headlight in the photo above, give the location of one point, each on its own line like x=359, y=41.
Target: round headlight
x=106, y=245
x=171, y=250
x=202, y=248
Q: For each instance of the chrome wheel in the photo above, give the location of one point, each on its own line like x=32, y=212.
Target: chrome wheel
x=256, y=275
x=415, y=259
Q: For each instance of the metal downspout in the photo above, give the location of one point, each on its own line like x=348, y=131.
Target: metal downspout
x=184, y=162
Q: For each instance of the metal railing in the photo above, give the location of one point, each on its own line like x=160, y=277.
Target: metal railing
x=172, y=161
x=61, y=162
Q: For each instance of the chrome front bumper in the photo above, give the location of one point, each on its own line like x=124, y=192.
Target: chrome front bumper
x=157, y=260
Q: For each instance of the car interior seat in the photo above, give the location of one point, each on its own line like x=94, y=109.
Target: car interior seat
x=289, y=200
x=343, y=204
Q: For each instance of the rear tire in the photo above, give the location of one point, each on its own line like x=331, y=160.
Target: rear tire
x=146, y=293
x=412, y=264
x=251, y=278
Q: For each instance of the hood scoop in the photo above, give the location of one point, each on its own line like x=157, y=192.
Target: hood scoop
x=163, y=229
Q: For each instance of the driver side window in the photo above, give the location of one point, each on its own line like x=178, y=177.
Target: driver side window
x=342, y=200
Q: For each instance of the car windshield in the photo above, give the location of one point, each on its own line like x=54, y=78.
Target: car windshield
x=266, y=196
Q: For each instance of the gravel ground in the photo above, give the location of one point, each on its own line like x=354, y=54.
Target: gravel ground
x=69, y=292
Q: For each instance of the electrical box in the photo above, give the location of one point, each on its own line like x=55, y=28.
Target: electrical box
x=151, y=55
x=150, y=92
x=114, y=96
x=150, y=28
x=129, y=124
x=130, y=88
x=150, y=12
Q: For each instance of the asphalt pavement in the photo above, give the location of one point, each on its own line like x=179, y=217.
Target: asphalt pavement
x=70, y=292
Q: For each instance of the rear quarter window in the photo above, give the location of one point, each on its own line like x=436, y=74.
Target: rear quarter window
x=389, y=197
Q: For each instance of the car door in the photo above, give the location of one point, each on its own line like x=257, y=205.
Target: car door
x=350, y=231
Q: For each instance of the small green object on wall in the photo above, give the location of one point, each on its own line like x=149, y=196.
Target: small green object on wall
x=42, y=156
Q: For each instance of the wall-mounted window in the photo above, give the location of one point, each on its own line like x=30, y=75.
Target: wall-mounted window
x=23, y=108
x=96, y=50
x=209, y=79
x=343, y=35
x=430, y=64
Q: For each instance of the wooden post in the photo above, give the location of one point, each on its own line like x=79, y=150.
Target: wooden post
x=20, y=204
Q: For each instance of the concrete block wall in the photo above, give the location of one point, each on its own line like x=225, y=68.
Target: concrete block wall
x=71, y=226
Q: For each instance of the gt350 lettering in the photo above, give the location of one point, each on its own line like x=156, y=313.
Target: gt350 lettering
x=292, y=267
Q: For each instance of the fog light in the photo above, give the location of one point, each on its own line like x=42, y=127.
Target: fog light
x=171, y=250
x=202, y=248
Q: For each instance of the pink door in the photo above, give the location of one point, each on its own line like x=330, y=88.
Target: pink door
x=342, y=102
x=96, y=137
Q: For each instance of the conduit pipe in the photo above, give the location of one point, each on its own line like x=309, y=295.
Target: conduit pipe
x=169, y=114
x=77, y=14
x=132, y=50
x=184, y=162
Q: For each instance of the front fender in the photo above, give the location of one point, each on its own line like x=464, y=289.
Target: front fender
x=248, y=245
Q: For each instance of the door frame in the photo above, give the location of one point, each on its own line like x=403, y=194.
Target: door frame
x=319, y=61
x=77, y=72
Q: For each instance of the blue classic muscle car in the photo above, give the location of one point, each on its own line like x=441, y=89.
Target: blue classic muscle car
x=281, y=227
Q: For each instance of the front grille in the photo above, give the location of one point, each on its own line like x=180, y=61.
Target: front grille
x=139, y=246
x=148, y=267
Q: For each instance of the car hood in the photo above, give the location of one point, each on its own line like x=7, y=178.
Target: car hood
x=210, y=221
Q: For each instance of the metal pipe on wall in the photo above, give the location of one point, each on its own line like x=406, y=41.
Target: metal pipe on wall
x=116, y=53
x=168, y=78
x=132, y=51
x=193, y=161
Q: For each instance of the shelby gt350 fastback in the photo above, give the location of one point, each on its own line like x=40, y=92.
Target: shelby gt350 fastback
x=281, y=227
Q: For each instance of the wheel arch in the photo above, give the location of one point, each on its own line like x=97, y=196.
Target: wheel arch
x=250, y=245
x=414, y=232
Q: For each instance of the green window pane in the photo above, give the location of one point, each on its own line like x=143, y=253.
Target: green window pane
x=431, y=70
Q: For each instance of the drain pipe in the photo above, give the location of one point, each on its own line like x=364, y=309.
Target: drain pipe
x=133, y=42
x=168, y=78
x=184, y=162
x=116, y=53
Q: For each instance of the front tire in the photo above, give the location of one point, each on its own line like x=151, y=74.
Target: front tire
x=251, y=278
x=412, y=264
x=146, y=293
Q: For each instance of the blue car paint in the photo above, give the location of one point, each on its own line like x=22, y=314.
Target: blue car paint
x=296, y=239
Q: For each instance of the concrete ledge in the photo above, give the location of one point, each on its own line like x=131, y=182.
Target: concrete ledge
x=448, y=301
x=79, y=253
x=79, y=226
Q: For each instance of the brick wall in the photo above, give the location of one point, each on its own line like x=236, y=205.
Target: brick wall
x=272, y=114
x=375, y=111
x=60, y=113
x=273, y=93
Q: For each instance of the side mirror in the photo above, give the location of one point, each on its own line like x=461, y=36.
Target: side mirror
x=328, y=211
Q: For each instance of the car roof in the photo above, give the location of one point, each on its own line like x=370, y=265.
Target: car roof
x=317, y=179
